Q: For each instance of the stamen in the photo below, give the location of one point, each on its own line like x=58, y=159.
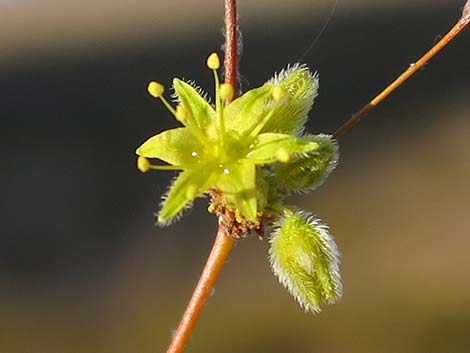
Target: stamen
x=168, y=105
x=213, y=61
x=181, y=114
x=226, y=91
x=166, y=167
x=156, y=90
x=257, y=128
x=143, y=164
x=283, y=155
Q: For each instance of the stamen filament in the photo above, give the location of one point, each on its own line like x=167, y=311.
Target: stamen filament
x=156, y=90
x=168, y=105
x=185, y=118
x=219, y=107
x=165, y=167
x=257, y=128
x=143, y=164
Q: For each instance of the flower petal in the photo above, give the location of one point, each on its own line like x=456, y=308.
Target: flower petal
x=248, y=110
x=301, y=87
x=267, y=146
x=238, y=186
x=305, y=258
x=177, y=147
x=198, y=108
x=187, y=186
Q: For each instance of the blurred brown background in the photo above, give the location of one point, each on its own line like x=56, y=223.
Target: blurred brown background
x=83, y=269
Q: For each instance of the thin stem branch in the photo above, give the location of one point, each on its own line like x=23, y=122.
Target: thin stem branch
x=231, y=43
x=220, y=250
x=223, y=242
x=412, y=69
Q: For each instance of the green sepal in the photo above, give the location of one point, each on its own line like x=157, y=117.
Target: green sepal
x=301, y=87
x=306, y=172
x=238, y=187
x=187, y=186
x=174, y=146
x=200, y=110
x=305, y=258
x=248, y=110
x=266, y=146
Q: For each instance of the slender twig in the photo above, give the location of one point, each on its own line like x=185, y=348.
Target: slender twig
x=223, y=242
x=459, y=26
x=231, y=43
x=220, y=250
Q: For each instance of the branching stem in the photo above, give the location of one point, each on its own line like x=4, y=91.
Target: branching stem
x=223, y=242
x=412, y=69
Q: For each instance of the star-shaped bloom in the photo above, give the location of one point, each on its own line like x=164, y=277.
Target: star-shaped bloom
x=221, y=147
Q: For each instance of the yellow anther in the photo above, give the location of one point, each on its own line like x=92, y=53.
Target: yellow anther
x=283, y=155
x=155, y=89
x=143, y=164
x=226, y=91
x=278, y=93
x=181, y=113
x=213, y=61
x=191, y=192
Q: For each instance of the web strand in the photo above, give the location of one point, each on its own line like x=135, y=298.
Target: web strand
x=322, y=30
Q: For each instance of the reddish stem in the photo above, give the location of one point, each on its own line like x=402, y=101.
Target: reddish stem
x=220, y=250
x=231, y=46
x=412, y=69
x=223, y=242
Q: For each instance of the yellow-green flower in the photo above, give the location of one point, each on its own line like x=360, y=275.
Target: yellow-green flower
x=249, y=154
x=221, y=147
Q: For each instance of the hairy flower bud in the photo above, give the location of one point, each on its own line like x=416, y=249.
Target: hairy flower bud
x=305, y=258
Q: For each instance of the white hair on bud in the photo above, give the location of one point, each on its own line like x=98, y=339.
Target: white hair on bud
x=331, y=165
x=330, y=250
x=281, y=75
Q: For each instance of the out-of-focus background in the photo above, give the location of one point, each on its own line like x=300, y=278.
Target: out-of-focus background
x=83, y=269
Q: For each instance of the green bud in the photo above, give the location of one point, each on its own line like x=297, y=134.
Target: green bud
x=300, y=86
x=306, y=172
x=305, y=258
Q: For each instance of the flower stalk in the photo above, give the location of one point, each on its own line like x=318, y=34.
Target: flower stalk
x=220, y=250
x=223, y=242
x=231, y=43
